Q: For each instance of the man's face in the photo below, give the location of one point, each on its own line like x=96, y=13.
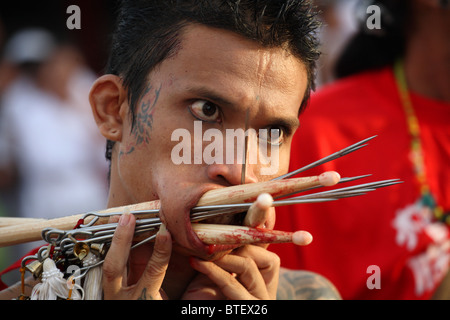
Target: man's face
x=210, y=83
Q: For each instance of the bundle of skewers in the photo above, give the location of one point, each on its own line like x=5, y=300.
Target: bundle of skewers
x=83, y=240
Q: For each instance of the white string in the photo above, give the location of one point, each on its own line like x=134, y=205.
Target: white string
x=93, y=280
x=53, y=285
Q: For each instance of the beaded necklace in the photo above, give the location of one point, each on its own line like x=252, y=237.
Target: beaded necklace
x=417, y=159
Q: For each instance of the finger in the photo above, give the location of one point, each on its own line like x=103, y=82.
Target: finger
x=258, y=272
x=258, y=212
x=268, y=264
x=202, y=288
x=247, y=271
x=225, y=281
x=156, y=268
x=261, y=214
x=115, y=262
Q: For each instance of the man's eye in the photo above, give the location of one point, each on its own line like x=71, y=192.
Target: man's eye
x=272, y=135
x=205, y=111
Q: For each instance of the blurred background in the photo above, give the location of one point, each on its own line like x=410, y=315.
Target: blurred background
x=51, y=156
x=97, y=19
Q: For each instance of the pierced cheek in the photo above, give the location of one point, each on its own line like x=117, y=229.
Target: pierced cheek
x=176, y=202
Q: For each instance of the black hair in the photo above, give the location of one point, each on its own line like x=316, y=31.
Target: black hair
x=373, y=49
x=148, y=32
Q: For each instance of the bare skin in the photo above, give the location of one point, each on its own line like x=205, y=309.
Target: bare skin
x=427, y=54
x=304, y=285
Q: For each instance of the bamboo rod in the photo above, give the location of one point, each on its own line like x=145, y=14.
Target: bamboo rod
x=10, y=221
x=27, y=232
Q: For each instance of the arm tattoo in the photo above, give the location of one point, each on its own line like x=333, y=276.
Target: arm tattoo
x=304, y=285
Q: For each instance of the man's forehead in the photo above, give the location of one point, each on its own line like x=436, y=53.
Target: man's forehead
x=209, y=54
x=198, y=37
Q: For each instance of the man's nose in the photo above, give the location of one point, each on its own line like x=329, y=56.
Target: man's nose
x=231, y=174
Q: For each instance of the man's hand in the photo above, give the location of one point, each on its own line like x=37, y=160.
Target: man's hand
x=250, y=272
x=115, y=277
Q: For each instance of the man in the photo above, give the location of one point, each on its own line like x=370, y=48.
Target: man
x=174, y=64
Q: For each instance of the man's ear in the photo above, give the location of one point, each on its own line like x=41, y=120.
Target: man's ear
x=108, y=100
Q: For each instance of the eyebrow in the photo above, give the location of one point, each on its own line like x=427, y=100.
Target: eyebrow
x=211, y=96
x=291, y=123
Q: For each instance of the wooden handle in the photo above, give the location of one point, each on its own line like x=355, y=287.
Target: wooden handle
x=31, y=231
x=238, y=235
x=27, y=232
x=7, y=221
x=217, y=234
x=249, y=192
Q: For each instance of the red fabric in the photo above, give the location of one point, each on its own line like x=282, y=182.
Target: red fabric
x=16, y=266
x=352, y=234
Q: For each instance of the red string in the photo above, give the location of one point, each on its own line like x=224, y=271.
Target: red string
x=79, y=223
x=16, y=265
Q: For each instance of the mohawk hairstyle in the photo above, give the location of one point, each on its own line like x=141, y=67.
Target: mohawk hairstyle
x=149, y=31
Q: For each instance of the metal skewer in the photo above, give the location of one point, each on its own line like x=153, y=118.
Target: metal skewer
x=244, y=162
x=331, y=157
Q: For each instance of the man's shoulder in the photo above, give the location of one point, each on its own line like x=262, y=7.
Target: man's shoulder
x=305, y=285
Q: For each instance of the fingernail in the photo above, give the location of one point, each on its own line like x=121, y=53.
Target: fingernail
x=163, y=229
x=124, y=219
x=163, y=234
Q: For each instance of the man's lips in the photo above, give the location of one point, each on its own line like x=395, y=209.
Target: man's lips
x=227, y=219
x=186, y=237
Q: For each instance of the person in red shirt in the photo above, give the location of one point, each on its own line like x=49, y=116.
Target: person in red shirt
x=393, y=243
